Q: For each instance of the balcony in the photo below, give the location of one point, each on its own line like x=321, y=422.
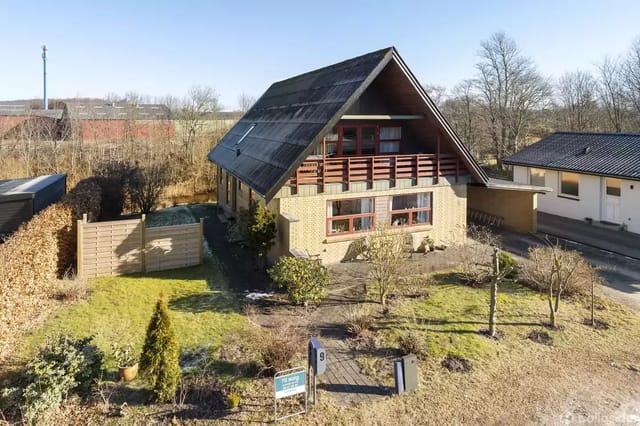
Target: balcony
x=347, y=170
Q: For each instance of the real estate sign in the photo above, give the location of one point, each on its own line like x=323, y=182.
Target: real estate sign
x=290, y=384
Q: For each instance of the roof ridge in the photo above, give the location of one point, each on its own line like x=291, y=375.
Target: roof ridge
x=597, y=133
x=386, y=49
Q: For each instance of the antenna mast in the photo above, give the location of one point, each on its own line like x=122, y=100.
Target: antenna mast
x=45, y=103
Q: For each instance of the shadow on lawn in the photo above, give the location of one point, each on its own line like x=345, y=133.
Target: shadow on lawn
x=204, y=302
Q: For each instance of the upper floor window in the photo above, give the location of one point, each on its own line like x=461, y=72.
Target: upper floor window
x=351, y=140
x=411, y=209
x=536, y=177
x=350, y=216
x=569, y=184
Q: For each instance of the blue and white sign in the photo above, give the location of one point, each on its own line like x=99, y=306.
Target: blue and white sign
x=290, y=384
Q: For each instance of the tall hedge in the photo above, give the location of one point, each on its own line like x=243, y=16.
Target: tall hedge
x=160, y=356
x=40, y=251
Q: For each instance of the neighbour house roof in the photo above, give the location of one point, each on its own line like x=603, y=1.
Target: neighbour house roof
x=283, y=127
x=13, y=189
x=607, y=154
x=23, y=109
x=99, y=109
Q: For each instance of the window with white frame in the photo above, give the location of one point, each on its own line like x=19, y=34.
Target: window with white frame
x=570, y=184
x=411, y=209
x=536, y=177
x=350, y=216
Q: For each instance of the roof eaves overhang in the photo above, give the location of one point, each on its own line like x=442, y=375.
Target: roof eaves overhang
x=564, y=169
x=330, y=124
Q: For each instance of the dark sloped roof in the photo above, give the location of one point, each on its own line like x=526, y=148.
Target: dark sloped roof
x=289, y=116
x=271, y=140
x=609, y=154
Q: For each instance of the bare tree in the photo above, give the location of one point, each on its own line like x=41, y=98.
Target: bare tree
x=438, y=94
x=462, y=109
x=631, y=73
x=511, y=89
x=554, y=271
x=577, y=95
x=146, y=185
x=611, y=91
x=200, y=103
x=245, y=102
x=386, y=251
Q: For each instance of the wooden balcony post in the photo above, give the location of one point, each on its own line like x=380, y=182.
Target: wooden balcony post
x=297, y=178
x=348, y=173
x=415, y=170
x=324, y=161
x=373, y=171
x=395, y=170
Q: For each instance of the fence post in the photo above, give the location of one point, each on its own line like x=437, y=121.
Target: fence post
x=79, y=266
x=143, y=244
x=201, y=239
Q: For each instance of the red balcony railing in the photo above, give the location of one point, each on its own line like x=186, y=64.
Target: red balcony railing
x=369, y=169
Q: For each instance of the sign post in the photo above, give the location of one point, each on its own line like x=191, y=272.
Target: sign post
x=288, y=383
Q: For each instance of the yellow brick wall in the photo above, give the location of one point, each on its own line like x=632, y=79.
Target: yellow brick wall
x=449, y=209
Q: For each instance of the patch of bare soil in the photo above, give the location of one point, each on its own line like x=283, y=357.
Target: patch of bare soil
x=598, y=324
x=540, y=336
x=456, y=364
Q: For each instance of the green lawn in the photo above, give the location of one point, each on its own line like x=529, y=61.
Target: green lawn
x=118, y=310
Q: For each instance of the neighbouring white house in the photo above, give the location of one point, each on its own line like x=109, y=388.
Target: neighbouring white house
x=593, y=176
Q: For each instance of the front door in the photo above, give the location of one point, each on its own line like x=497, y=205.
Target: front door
x=612, y=200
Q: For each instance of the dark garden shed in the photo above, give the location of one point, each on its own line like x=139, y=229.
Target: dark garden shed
x=20, y=199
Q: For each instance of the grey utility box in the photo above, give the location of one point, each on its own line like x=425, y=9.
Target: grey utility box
x=410, y=369
x=317, y=356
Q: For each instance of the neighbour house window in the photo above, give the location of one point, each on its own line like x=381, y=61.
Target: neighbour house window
x=613, y=187
x=569, y=184
x=349, y=216
x=409, y=210
x=536, y=177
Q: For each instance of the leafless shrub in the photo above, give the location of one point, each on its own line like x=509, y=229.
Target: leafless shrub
x=410, y=342
x=70, y=289
x=358, y=319
x=556, y=272
x=146, y=185
x=278, y=345
x=475, y=255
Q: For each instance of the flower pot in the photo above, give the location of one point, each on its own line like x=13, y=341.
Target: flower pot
x=128, y=373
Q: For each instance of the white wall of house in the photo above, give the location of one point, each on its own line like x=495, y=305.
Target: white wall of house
x=590, y=201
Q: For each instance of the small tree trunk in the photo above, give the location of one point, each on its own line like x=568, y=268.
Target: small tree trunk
x=494, y=293
x=552, y=312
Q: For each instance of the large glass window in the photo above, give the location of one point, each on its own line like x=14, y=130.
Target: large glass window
x=349, y=216
x=349, y=141
x=409, y=210
x=536, y=177
x=390, y=139
x=570, y=184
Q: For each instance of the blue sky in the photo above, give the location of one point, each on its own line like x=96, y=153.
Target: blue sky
x=159, y=47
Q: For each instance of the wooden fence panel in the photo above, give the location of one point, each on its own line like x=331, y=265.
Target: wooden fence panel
x=127, y=246
x=171, y=247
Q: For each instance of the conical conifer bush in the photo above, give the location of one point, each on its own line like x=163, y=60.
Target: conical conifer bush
x=159, y=359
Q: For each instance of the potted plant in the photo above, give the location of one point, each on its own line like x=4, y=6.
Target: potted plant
x=126, y=361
